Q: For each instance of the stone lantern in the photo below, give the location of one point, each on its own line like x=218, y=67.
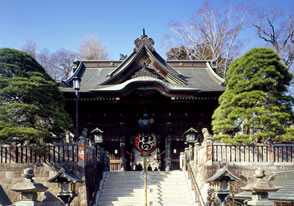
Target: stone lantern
x=191, y=138
x=28, y=189
x=98, y=135
x=260, y=190
x=190, y=135
x=221, y=182
x=67, y=183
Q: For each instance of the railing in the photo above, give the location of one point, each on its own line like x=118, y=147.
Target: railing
x=56, y=153
x=253, y=153
x=199, y=157
x=194, y=183
x=210, y=152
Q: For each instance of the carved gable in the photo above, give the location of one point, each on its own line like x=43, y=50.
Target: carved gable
x=145, y=70
x=144, y=61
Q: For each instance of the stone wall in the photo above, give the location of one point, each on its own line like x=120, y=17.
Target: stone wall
x=12, y=173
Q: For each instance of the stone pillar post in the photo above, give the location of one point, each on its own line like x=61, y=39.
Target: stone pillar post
x=186, y=158
x=182, y=156
x=196, y=146
x=13, y=155
x=191, y=155
x=208, y=152
x=82, y=153
x=207, y=143
x=271, y=154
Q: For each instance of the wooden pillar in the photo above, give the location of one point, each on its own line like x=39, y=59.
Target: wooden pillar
x=122, y=154
x=168, y=153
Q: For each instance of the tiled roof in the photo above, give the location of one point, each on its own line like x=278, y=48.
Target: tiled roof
x=98, y=75
x=4, y=200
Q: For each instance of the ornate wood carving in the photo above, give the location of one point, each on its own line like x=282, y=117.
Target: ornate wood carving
x=144, y=41
x=146, y=71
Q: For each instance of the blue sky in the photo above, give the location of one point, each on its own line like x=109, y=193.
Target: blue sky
x=56, y=24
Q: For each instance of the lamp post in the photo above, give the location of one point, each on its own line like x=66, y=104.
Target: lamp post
x=145, y=143
x=67, y=183
x=76, y=86
x=221, y=183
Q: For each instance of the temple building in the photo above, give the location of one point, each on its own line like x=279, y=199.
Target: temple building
x=117, y=98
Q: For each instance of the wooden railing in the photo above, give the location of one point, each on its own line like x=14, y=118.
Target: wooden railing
x=252, y=153
x=210, y=152
x=56, y=153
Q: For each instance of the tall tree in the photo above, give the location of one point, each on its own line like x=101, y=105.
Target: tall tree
x=255, y=107
x=215, y=29
x=91, y=48
x=57, y=64
x=63, y=60
x=181, y=53
x=277, y=30
x=30, y=47
x=31, y=106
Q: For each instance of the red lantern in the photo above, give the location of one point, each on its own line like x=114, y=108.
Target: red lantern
x=145, y=142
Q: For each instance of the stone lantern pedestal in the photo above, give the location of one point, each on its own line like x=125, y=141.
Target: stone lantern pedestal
x=28, y=190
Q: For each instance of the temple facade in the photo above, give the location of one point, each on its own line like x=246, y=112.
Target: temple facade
x=117, y=98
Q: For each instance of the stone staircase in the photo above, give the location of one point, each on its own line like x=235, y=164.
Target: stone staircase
x=127, y=189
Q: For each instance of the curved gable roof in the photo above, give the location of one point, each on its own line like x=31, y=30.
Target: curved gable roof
x=145, y=65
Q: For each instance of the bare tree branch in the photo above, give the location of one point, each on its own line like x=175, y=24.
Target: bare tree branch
x=91, y=48
x=30, y=47
x=58, y=64
x=212, y=33
x=277, y=31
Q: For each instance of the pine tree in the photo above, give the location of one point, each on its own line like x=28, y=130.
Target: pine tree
x=31, y=106
x=255, y=107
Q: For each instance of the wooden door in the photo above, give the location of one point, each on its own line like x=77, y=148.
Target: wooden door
x=114, y=155
x=176, y=149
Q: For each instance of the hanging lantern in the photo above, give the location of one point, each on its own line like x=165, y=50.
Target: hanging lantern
x=145, y=142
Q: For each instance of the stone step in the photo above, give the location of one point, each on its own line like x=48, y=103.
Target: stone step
x=163, y=187
x=141, y=203
x=140, y=194
x=151, y=183
x=111, y=192
x=142, y=174
x=150, y=197
x=127, y=189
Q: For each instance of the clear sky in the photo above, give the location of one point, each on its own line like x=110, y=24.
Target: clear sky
x=56, y=24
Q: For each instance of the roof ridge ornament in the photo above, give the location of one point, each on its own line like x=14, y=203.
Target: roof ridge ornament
x=144, y=41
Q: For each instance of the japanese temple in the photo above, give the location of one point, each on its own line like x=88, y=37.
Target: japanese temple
x=115, y=96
